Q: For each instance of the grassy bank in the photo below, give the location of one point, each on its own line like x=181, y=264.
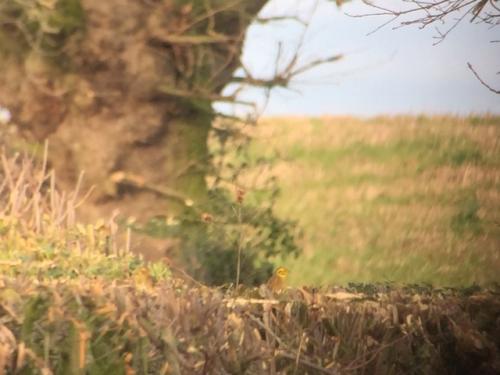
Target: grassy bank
x=404, y=199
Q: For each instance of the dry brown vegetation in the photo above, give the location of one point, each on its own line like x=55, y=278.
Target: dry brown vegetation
x=119, y=328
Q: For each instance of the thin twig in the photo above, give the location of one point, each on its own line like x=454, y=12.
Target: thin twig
x=240, y=243
x=481, y=80
x=306, y=363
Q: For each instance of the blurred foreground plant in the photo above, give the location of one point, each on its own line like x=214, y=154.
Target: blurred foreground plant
x=236, y=235
x=40, y=236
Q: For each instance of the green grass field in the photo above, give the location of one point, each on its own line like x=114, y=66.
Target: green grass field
x=402, y=199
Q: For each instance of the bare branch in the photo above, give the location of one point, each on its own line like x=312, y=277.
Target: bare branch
x=426, y=12
x=481, y=80
x=265, y=20
x=313, y=64
x=429, y=12
x=203, y=95
x=193, y=39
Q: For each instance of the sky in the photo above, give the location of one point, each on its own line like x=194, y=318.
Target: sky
x=391, y=71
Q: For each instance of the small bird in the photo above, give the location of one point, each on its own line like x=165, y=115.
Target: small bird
x=277, y=282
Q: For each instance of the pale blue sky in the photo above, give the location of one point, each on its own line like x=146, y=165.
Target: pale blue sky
x=388, y=72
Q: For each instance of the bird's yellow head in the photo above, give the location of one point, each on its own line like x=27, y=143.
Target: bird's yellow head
x=281, y=272
x=277, y=282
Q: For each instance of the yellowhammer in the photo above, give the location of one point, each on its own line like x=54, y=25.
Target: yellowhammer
x=277, y=282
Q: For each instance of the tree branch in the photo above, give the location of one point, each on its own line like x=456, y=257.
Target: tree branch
x=481, y=80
